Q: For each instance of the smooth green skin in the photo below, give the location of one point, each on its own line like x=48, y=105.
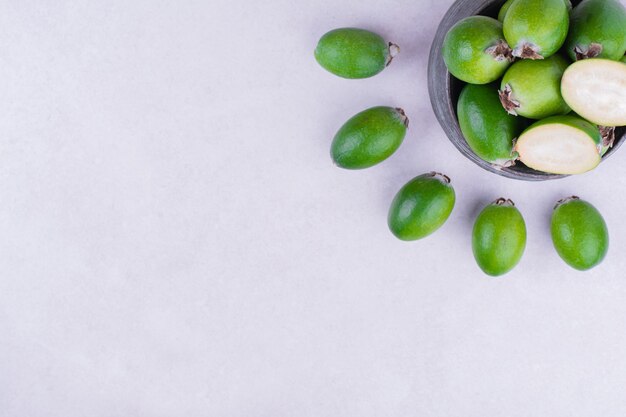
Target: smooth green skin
x=598, y=21
x=488, y=129
x=421, y=207
x=464, y=50
x=498, y=239
x=505, y=8
x=579, y=234
x=543, y=23
x=536, y=84
x=368, y=138
x=352, y=53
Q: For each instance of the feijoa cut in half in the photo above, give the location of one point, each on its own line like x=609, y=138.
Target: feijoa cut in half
x=369, y=137
x=421, y=207
x=488, y=129
x=533, y=88
x=354, y=53
x=536, y=29
x=579, y=233
x=597, y=30
x=499, y=237
x=561, y=145
x=596, y=90
x=474, y=50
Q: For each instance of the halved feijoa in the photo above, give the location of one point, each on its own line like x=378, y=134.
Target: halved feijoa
x=596, y=90
x=499, y=237
x=354, y=53
x=488, y=129
x=533, y=88
x=422, y=206
x=475, y=51
x=560, y=145
x=597, y=30
x=536, y=29
x=579, y=233
x=369, y=137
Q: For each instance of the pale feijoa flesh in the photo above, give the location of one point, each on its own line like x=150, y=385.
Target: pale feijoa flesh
x=488, y=129
x=369, y=137
x=560, y=145
x=597, y=30
x=532, y=88
x=354, y=53
x=499, y=237
x=579, y=233
x=474, y=50
x=421, y=207
x=596, y=90
x=536, y=29
x=505, y=8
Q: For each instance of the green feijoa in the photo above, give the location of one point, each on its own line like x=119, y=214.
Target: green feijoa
x=354, y=53
x=488, y=129
x=499, y=237
x=536, y=29
x=533, y=88
x=597, y=30
x=561, y=145
x=579, y=233
x=422, y=206
x=474, y=50
x=505, y=8
x=369, y=137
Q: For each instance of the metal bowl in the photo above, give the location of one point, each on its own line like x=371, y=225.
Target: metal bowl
x=444, y=92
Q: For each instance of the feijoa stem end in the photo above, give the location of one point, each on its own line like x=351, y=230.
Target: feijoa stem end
x=403, y=117
x=608, y=136
x=441, y=177
x=501, y=51
x=507, y=202
x=394, y=50
x=527, y=51
x=507, y=100
x=592, y=51
x=566, y=200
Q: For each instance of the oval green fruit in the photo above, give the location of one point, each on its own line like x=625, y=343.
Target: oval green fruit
x=354, y=53
x=422, y=206
x=474, y=50
x=488, y=129
x=533, y=88
x=579, y=233
x=369, y=137
x=499, y=237
x=505, y=8
x=536, y=29
x=561, y=145
x=597, y=30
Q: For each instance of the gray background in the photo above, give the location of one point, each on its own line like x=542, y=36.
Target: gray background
x=174, y=239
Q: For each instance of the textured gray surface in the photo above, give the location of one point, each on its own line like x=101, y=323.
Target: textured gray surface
x=175, y=240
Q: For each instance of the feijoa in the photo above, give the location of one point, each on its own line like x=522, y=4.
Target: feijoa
x=488, y=129
x=533, y=88
x=561, y=145
x=354, y=53
x=369, y=137
x=499, y=237
x=579, y=233
x=536, y=29
x=596, y=90
x=597, y=30
x=474, y=50
x=505, y=8
x=422, y=206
